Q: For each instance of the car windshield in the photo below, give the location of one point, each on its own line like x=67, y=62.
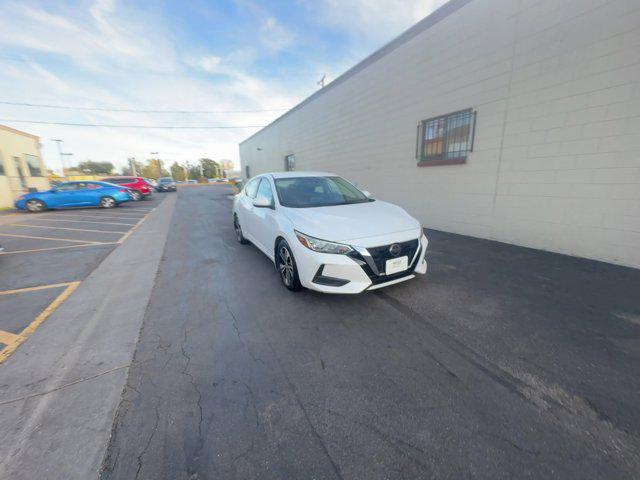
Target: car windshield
x=304, y=192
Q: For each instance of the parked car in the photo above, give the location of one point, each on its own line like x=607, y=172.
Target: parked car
x=166, y=184
x=139, y=187
x=324, y=234
x=75, y=194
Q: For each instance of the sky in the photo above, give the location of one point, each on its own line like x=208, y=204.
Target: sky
x=234, y=63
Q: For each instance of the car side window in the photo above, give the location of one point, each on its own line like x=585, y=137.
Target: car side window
x=251, y=188
x=93, y=186
x=67, y=187
x=265, y=191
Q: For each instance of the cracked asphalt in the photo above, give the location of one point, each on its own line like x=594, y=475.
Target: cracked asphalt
x=501, y=362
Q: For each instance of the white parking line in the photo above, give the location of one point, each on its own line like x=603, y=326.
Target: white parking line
x=58, y=248
x=111, y=217
x=84, y=221
x=33, y=237
x=62, y=228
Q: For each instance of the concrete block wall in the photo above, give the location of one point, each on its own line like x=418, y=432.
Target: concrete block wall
x=556, y=160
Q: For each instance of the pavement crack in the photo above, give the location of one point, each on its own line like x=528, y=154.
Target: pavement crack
x=62, y=387
x=148, y=444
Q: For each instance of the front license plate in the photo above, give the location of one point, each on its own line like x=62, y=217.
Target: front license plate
x=396, y=265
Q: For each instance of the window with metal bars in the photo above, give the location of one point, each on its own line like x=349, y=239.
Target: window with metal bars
x=447, y=139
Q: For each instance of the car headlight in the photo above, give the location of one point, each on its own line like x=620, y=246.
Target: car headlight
x=322, y=246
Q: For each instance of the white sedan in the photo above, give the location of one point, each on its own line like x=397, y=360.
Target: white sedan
x=324, y=234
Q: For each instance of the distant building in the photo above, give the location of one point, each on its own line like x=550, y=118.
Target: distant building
x=21, y=165
x=513, y=120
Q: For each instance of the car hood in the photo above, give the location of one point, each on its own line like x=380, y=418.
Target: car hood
x=349, y=223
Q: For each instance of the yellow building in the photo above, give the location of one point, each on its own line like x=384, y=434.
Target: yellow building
x=21, y=165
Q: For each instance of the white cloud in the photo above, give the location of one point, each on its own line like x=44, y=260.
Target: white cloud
x=274, y=36
x=372, y=19
x=128, y=64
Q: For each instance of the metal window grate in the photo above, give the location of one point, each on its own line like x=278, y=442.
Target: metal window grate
x=446, y=139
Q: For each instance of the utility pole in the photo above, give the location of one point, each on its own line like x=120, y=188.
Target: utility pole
x=66, y=155
x=132, y=166
x=58, y=142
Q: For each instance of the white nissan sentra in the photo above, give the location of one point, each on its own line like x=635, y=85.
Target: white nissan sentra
x=324, y=234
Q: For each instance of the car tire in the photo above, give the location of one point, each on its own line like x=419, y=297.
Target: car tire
x=286, y=266
x=238, y=230
x=136, y=195
x=35, y=206
x=107, y=202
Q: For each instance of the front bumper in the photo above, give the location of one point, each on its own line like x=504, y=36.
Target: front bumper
x=355, y=272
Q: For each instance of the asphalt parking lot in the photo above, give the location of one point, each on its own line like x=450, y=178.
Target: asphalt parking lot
x=47, y=254
x=501, y=362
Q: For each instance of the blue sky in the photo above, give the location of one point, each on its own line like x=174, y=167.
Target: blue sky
x=220, y=56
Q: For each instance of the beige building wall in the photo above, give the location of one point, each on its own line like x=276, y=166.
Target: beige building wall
x=16, y=177
x=556, y=160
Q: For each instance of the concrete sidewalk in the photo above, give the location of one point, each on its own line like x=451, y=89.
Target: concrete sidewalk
x=59, y=391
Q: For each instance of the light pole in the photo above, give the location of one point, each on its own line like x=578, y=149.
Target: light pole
x=62, y=155
x=59, y=142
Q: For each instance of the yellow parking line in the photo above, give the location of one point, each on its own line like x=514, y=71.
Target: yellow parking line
x=22, y=336
x=126, y=235
x=59, y=248
x=61, y=228
x=47, y=238
x=7, y=337
x=34, y=289
x=84, y=221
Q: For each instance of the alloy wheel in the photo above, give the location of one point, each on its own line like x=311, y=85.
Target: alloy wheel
x=285, y=266
x=34, y=206
x=107, y=202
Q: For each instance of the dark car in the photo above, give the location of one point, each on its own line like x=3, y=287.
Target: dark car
x=166, y=184
x=139, y=187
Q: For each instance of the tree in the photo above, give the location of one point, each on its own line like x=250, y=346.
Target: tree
x=194, y=171
x=154, y=169
x=226, y=166
x=95, y=168
x=177, y=172
x=210, y=169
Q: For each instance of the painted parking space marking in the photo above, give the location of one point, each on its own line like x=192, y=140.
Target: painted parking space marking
x=32, y=250
x=13, y=341
x=79, y=215
x=62, y=228
x=84, y=221
x=49, y=238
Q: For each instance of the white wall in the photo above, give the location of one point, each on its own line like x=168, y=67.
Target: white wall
x=556, y=162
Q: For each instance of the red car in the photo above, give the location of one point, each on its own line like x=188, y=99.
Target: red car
x=139, y=187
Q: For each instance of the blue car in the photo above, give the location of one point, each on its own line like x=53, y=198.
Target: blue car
x=75, y=194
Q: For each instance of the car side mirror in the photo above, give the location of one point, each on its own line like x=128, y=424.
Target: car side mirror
x=262, y=202
x=366, y=193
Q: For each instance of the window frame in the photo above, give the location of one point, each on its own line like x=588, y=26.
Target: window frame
x=424, y=160
x=255, y=180
x=271, y=189
x=28, y=159
x=287, y=166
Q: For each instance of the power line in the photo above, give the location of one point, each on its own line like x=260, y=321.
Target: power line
x=184, y=127
x=134, y=110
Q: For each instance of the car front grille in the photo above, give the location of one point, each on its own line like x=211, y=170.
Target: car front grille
x=380, y=255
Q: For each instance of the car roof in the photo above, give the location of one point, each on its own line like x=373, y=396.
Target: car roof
x=300, y=174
